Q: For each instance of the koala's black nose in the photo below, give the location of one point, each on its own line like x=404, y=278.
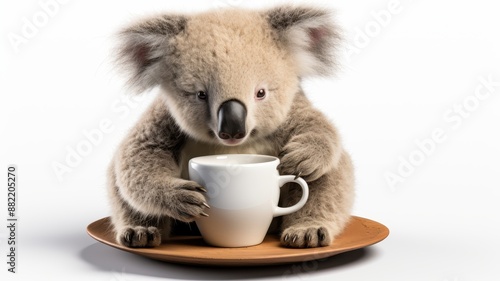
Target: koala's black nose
x=232, y=116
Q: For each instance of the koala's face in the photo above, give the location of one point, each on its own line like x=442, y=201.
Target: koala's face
x=230, y=80
x=229, y=77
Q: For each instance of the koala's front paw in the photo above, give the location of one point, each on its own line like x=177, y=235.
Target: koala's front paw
x=306, y=161
x=186, y=202
x=140, y=237
x=306, y=237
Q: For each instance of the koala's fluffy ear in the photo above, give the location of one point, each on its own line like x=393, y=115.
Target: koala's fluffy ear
x=143, y=47
x=309, y=34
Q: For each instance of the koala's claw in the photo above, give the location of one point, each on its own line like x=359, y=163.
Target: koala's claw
x=308, y=238
x=305, y=237
x=140, y=237
x=300, y=164
x=321, y=234
x=194, y=187
x=299, y=158
x=202, y=189
x=188, y=202
x=281, y=154
x=188, y=216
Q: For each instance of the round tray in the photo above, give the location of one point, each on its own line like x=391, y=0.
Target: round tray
x=359, y=233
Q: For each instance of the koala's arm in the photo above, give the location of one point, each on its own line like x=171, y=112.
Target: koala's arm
x=309, y=144
x=147, y=169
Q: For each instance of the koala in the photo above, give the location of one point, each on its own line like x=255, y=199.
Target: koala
x=229, y=82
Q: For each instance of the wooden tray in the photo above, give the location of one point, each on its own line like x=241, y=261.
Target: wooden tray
x=359, y=233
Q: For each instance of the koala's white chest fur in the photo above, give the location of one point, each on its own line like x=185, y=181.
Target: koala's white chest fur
x=193, y=148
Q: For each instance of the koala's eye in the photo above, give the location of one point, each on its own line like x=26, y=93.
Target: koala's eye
x=201, y=95
x=260, y=94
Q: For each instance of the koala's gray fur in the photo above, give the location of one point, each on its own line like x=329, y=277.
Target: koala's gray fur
x=229, y=54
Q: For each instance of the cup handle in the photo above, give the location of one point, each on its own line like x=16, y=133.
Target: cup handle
x=279, y=211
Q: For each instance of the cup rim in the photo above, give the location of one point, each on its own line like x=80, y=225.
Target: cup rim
x=203, y=160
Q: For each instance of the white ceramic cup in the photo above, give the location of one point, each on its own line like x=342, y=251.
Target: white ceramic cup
x=243, y=192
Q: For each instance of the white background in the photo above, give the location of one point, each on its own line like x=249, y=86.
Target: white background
x=401, y=78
